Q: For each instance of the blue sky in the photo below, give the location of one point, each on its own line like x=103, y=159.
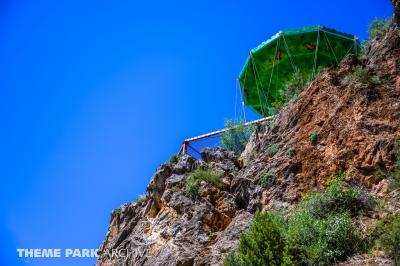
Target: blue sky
x=95, y=94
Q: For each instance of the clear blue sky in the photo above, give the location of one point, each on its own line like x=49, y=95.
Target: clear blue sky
x=95, y=94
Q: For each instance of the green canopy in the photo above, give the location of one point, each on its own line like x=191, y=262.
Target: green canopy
x=302, y=52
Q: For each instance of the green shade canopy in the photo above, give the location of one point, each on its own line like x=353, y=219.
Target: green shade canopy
x=302, y=52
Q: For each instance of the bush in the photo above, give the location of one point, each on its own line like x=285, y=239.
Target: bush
x=236, y=138
x=394, y=176
x=338, y=198
x=389, y=239
x=266, y=179
x=313, y=137
x=140, y=199
x=318, y=232
x=361, y=75
x=193, y=180
x=291, y=152
x=117, y=211
x=378, y=26
x=272, y=149
x=263, y=244
x=174, y=159
x=292, y=88
x=316, y=241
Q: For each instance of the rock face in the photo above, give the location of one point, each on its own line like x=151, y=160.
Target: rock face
x=172, y=227
x=354, y=125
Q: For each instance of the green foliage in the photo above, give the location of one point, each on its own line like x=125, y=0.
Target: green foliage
x=395, y=174
x=378, y=27
x=266, y=179
x=291, y=152
x=236, y=138
x=140, y=199
x=272, y=149
x=231, y=203
x=313, y=137
x=263, y=244
x=292, y=88
x=174, y=159
x=321, y=229
x=318, y=241
x=117, y=211
x=318, y=232
x=389, y=239
x=193, y=180
x=361, y=75
x=230, y=260
x=338, y=198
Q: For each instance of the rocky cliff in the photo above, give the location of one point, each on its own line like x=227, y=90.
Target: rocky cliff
x=343, y=122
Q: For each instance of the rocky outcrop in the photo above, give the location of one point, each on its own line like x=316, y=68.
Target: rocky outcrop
x=354, y=125
x=172, y=227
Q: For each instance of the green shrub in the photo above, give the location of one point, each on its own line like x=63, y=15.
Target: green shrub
x=193, y=180
x=263, y=244
x=174, y=159
x=291, y=152
x=117, y=211
x=389, y=239
x=230, y=259
x=292, y=88
x=313, y=137
x=272, y=149
x=394, y=176
x=360, y=74
x=377, y=80
x=378, y=26
x=318, y=241
x=236, y=138
x=338, y=198
x=318, y=232
x=140, y=199
x=266, y=179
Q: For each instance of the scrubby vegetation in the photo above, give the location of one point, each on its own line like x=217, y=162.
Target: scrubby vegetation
x=117, y=211
x=395, y=174
x=174, y=159
x=389, y=237
x=313, y=137
x=140, y=199
x=291, y=152
x=361, y=75
x=194, y=179
x=318, y=232
x=293, y=87
x=272, y=149
x=237, y=137
x=266, y=179
x=262, y=244
x=378, y=27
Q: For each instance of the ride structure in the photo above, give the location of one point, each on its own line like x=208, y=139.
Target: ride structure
x=287, y=56
x=290, y=56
